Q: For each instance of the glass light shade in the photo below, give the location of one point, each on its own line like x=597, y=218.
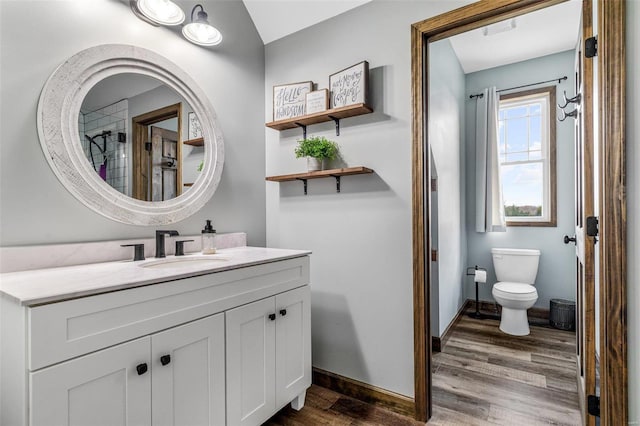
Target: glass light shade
x=202, y=34
x=163, y=12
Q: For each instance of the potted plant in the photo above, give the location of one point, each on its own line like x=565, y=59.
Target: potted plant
x=317, y=149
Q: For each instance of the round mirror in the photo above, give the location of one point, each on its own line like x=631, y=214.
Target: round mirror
x=130, y=135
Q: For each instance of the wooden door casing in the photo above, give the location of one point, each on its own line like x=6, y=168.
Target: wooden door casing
x=612, y=206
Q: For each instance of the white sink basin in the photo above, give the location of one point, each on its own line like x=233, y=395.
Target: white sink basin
x=177, y=262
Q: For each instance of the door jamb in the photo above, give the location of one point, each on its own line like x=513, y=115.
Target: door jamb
x=613, y=279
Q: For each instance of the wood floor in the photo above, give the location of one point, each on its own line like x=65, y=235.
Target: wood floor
x=485, y=377
x=482, y=377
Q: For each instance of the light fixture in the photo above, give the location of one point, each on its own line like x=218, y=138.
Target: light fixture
x=158, y=12
x=499, y=27
x=199, y=31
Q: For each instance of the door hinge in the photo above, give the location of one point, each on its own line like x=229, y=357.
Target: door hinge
x=434, y=184
x=593, y=405
x=434, y=255
x=591, y=47
x=592, y=226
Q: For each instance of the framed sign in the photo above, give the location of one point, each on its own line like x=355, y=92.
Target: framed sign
x=289, y=100
x=350, y=86
x=194, y=130
x=317, y=101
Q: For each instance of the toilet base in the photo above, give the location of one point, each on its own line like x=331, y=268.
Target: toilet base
x=514, y=322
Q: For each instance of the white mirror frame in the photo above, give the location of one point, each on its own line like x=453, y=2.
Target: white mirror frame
x=58, y=110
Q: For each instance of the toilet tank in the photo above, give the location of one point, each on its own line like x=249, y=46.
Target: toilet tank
x=516, y=265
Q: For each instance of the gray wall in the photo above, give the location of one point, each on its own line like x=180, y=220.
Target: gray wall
x=361, y=275
x=37, y=36
x=633, y=208
x=556, y=272
x=446, y=138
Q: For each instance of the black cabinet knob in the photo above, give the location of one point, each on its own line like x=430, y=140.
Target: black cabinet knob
x=568, y=239
x=165, y=359
x=272, y=317
x=283, y=312
x=141, y=368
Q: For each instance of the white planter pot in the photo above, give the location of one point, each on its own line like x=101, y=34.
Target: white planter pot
x=315, y=164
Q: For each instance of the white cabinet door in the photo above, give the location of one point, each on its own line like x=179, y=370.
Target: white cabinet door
x=103, y=388
x=188, y=374
x=251, y=363
x=293, y=345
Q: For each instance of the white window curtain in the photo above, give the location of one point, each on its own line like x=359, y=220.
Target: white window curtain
x=489, y=205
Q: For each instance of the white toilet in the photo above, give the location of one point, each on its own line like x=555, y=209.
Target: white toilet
x=516, y=270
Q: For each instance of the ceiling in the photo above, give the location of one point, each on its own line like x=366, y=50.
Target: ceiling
x=540, y=33
x=544, y=32
x=275, y=19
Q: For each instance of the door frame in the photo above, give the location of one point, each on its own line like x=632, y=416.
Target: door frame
x=613, y=272
x=140, y=131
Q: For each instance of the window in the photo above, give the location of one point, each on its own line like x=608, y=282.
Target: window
x=526, y=128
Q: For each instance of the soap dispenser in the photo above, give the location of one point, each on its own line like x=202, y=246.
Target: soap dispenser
x=208, y=236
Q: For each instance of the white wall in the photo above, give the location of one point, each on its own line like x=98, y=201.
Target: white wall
x=361, y=273
x=37, y=36
x=446, y=138
x=556, y=272
x=633, y=208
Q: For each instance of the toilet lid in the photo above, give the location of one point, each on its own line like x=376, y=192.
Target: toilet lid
x=515, y=291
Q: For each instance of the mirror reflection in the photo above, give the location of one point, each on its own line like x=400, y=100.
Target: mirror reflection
x=141, y=137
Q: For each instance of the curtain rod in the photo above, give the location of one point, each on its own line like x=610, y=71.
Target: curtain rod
x=480, y=95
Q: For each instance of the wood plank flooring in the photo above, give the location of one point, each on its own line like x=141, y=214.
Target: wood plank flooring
x=481, y=377
x=485, y=377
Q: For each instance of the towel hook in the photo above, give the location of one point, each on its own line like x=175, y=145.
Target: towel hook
x=576, y=99
x=573, y=114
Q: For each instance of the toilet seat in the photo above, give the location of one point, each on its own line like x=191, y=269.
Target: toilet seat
x=515, y=291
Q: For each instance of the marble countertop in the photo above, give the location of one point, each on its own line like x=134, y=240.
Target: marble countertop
x=49, y=285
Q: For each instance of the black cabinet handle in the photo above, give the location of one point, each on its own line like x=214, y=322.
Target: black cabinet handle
x=165, y=359
x=272, y=317
x=568, y=239
x=141, y=368
x=283, y=312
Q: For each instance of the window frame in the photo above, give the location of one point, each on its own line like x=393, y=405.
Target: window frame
x=550, y=176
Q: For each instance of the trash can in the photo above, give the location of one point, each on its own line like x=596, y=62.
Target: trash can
x=562, y=314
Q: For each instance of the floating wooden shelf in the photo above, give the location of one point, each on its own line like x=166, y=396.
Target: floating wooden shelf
x=335, y=114
x=195, y=142
x=335, y=173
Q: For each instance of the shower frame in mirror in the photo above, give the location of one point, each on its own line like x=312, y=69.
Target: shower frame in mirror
x=57, y=117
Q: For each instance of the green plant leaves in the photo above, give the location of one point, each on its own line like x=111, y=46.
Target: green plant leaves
x=317, y=147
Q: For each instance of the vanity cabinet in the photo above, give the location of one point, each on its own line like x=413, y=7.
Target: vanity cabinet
x=230, y=347
x=175, y=377
x=268, y=356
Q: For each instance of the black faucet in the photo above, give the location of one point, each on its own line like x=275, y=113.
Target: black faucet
x=160, y=241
